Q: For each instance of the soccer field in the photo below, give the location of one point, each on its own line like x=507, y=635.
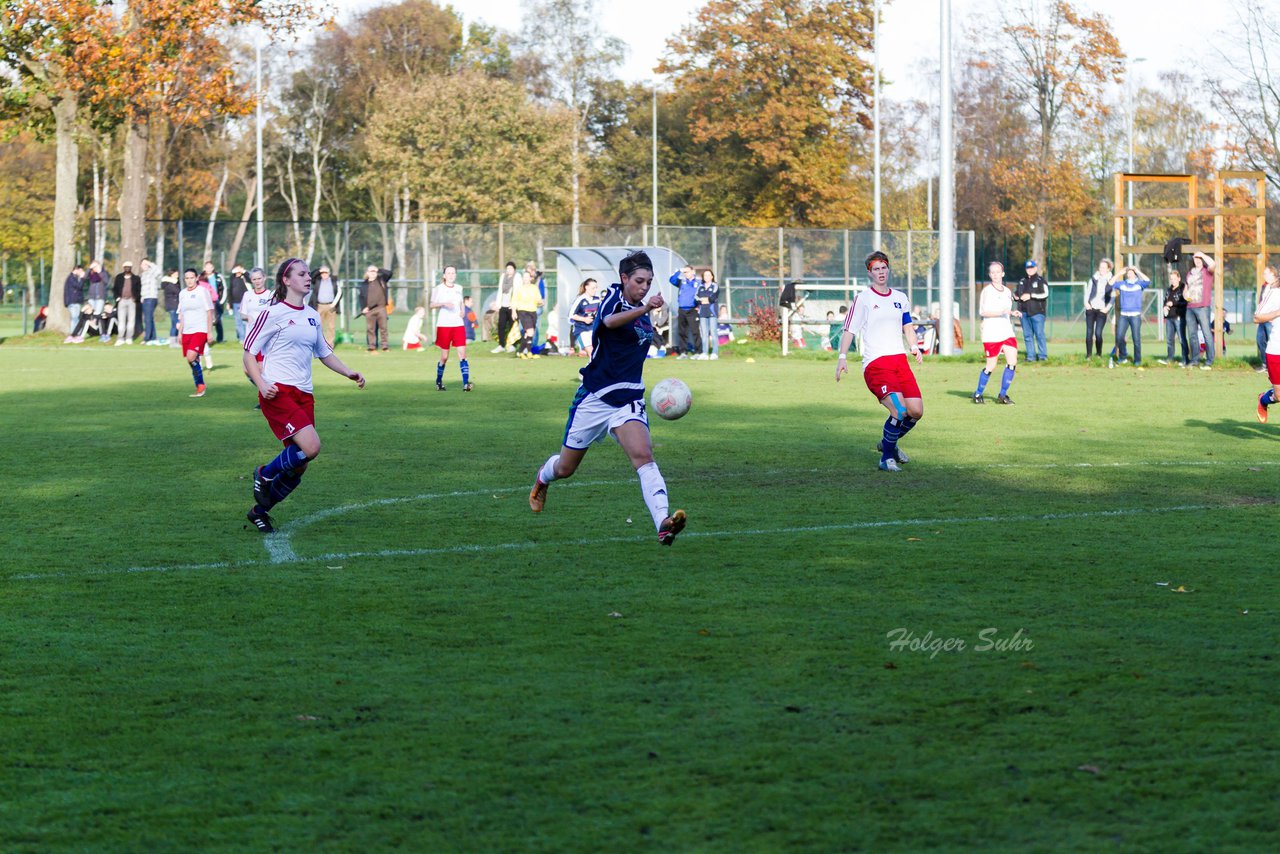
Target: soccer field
x=1080, y=589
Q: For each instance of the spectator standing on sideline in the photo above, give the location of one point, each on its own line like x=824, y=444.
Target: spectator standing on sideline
x=171, y=286
x=1175, y=318
x=73, y=298
x=686, y=337
x=1269, y=283
x=97, y=287
x=450, y=330
x=507, y=284
x=195, y=320
x=1033, y=298
x=219, y=297
x=150, y=288
x=708, y=297
x=526, y=300
x=533, y=274
x=1097, y=302
x=1128, y=294
x=468, y=318
x=325, y=296
x=126, y=291
x=1198, y=291
x=375, y=293
x=237, y=287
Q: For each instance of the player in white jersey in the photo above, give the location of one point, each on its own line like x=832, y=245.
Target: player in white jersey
x=995, y=306
x=253, y=303
x=1269, y=310
x=287, y=335
x=450, y=331
x=195, y=319
x=880, y=316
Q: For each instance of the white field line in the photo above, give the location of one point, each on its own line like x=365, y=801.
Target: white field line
x=475, y=548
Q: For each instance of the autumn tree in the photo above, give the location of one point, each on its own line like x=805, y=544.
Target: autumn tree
x=1058, y=62
x=786, y=85
x=581, y=58
x=49, y=48
x=26, y=204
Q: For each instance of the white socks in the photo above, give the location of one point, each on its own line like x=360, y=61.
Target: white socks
x=547, y=473
x=655, y=492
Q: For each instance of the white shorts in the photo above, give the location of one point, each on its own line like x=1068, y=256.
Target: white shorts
x=591, y=419
x=583, y=339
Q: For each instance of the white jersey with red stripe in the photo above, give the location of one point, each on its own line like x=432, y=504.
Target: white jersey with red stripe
x=193, y=310
x=1271, y=302
x=254, y=304
x=288, y=337
x=996, y=329
x=449, y=298
x=877, y=319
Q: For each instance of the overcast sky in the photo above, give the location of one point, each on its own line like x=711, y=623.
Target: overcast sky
x=1155, y=30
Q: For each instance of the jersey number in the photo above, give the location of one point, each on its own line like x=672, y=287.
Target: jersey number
x=637, y=407
x=884, y=389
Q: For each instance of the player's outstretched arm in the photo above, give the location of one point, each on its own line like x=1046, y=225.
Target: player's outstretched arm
x=842, y=360
x=333, y=363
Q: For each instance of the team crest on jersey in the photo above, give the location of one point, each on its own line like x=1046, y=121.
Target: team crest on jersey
x=897, y=305
x=311, y=320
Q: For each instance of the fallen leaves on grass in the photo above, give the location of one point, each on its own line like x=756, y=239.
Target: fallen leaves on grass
x=1089, y=769
x=306, y=718
x=889, y=665
x=614, y=614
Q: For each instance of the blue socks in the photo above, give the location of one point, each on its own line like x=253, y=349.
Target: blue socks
x=197, y=373
x=983, y=376
x=290, y=461
x=905, y=425
x=1006, y=380
x=1268, y=397
x=439, y=373
x=466, y=371
x=893, y=431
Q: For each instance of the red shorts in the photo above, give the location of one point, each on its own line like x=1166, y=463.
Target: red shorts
x=289, y=411
x=1273, y=369
x=194, y=342
x=451, y=336
x=890, y=374
x=414, y=346
x=993, y=348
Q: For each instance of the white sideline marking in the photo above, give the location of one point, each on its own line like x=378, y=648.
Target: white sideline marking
x=473, y=548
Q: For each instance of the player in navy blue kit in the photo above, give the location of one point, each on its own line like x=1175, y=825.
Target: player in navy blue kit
x=610, y=400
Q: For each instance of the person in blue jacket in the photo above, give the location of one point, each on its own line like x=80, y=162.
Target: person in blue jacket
x=687, y=338
x=1127, y=292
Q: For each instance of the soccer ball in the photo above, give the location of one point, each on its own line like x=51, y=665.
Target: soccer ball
x=671, y=399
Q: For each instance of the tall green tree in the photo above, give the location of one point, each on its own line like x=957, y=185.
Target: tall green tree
x=580, y=57
x=786, y=85
x=469, y=148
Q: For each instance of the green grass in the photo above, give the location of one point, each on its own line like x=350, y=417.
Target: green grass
x=439, y=669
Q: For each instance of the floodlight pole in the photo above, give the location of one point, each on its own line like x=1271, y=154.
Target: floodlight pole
x=262, y=234
x=946, y=194
x=653, y=132
x=875, y=41
x=1129, y=184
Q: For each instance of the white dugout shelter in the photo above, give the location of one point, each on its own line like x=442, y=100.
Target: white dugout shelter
x=576, y=263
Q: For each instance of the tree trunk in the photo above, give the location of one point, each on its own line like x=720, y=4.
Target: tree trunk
x=65, y=203
x=133, y=196
x=1037, y=245
x=575, y=181
x=244, y=223
x=213, y=214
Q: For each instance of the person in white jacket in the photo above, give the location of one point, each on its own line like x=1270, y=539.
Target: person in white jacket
x=1097, y=304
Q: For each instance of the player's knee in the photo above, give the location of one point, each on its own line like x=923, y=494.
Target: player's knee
x=565, y=468
x=915, y=409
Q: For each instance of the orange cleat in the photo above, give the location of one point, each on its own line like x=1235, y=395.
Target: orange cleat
x=671, y=526
x=538, y=495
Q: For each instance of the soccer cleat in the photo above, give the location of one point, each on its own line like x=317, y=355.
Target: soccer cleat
x=898, y=454
x=466, y=386
x=1005, y=399
x=261, y=489
x=1206, y=367
x=199, y=391
x=671, y=526
x=1262, y=412
x=439, y=386
x=889, y=465
x=538, y=495
x=1162, y=361
x=977, y=398
x=261, y=521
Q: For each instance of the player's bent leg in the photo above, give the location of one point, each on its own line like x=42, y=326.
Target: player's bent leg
x=308, y=441
x=634, y=438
